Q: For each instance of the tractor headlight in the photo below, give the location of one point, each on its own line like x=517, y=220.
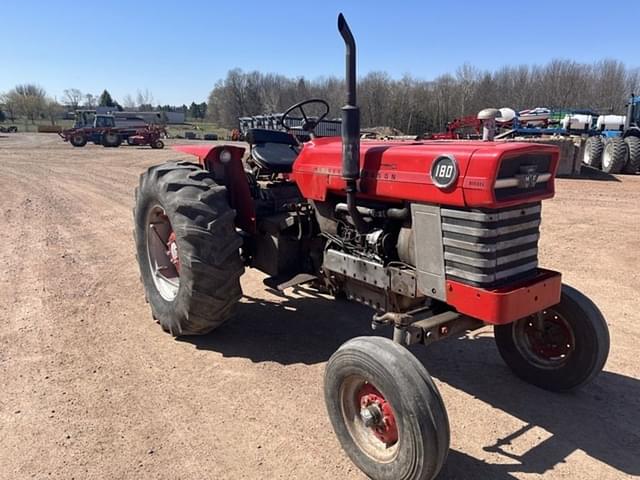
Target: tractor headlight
x=225, y=156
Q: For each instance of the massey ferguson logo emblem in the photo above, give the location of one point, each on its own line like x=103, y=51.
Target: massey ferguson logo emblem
x=528, y=176
x=444, y=171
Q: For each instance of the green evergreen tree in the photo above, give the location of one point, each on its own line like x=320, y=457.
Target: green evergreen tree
x=106, y=100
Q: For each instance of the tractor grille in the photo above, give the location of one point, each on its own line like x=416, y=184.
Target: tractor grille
x=489, y=248
x=511, y=180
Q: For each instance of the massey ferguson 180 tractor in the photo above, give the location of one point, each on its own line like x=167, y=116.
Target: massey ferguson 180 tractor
x=437, y=237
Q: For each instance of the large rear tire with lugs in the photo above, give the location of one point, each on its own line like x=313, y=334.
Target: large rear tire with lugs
x=593, y=148
x=111, y=139
x=615, y=155
x=633, y=162
x=187, y=248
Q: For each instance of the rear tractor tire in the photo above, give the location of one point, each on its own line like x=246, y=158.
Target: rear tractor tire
x=78, y=140
x=593, y=148
x=187, y=248
x=111, y=139
x=615, y=155
x=633, y=163
x=386, y=411
x=561, y=351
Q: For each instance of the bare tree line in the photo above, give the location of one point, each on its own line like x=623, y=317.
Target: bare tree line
x=409, y=104
x=415, y=106
x=31, y=102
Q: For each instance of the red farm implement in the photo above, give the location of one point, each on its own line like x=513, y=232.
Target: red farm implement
x=151, y=135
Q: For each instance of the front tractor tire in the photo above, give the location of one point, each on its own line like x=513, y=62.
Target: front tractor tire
x=560, y=350
x=386, y=411
x=78, y=140
x=187, y=248
x=157, y=144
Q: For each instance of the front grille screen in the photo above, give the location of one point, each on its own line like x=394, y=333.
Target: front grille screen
x=490, y=248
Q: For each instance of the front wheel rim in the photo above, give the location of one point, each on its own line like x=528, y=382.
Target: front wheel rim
x=370, y=419
x=546, y=340
x=162, y=253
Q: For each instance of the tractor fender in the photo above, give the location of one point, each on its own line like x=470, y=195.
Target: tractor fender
x=632, y=132
x=230, y=174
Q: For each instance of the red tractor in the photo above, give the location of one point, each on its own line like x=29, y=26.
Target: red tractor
x=438, y=238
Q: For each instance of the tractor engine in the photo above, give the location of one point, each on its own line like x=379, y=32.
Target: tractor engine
x=436, y=222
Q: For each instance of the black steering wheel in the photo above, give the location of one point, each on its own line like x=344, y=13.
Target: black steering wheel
x=310, y=123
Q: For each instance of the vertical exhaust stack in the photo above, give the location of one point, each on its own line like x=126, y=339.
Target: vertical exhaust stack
x=629, y=118
x=351, y=128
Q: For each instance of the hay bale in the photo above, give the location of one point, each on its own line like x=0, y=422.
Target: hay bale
x=49, y=128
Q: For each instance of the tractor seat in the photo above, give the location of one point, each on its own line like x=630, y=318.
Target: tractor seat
x=272, y=150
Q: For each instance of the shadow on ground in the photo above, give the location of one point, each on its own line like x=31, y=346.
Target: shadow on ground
x=601, y=419
x=297, y=330
x=590, y=173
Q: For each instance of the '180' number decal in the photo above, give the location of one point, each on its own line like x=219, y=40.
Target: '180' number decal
x=444, y=171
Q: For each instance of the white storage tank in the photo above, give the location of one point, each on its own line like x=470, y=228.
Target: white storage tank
x=611, y=122
x=577, y=122
x=506, y=115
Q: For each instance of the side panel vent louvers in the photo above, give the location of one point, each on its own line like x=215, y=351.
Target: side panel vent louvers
x=488, y=248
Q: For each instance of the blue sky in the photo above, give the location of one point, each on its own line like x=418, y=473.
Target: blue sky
x=178, y=50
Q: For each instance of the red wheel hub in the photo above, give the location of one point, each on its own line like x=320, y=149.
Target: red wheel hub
x=379, y=412
x=553, y=341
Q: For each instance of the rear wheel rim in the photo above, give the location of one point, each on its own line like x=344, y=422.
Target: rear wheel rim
x=606, y=159
x=370, y=419
x=547, y=342
x=162, y=253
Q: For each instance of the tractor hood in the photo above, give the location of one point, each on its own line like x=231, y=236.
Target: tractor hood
x=489, y=174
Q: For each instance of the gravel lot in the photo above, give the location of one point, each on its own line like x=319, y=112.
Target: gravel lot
x=91, y=388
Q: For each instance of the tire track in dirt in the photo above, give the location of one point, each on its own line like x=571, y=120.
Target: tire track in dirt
x=246, y=402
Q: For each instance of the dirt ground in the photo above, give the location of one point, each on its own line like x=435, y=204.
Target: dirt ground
x=91, y=388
